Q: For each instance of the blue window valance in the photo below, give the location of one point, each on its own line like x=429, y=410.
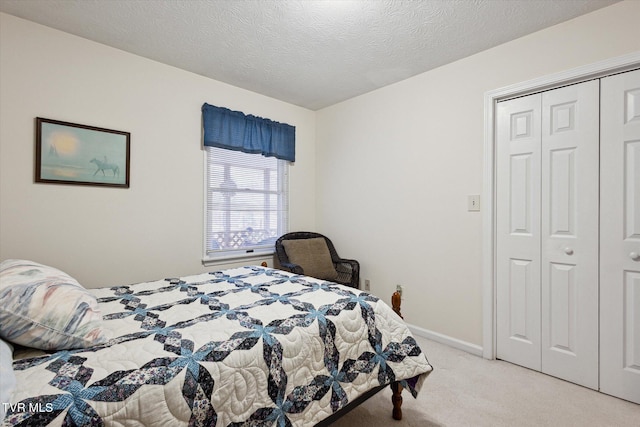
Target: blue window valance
x=235, y=130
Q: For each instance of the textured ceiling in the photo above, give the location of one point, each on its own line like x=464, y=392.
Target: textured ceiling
x=312, y=53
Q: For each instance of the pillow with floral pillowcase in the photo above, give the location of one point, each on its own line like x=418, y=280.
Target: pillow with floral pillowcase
x=43, y=307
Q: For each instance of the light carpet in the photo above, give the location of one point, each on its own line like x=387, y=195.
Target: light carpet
x=467, y=390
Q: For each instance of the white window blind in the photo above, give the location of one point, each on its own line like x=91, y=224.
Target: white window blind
x=246, y=205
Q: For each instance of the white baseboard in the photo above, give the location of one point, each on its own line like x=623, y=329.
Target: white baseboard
x=446, y=340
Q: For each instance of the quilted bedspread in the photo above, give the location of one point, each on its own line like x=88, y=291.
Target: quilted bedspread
x=250, y=346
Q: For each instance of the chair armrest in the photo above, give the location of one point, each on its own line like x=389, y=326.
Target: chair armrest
x=353, y=262
x=353, y=265
x=294, y=268
x=348, y=272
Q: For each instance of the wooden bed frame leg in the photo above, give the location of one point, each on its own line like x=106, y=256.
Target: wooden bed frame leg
x=397, y=400
x=396, y=300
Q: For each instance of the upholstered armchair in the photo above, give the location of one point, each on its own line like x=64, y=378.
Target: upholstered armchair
x=312, y=254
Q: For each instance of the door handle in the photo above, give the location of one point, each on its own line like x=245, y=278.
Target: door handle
x=634, y=256
x=568, y=251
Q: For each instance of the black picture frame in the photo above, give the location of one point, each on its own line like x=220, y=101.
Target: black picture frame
x=71, y=153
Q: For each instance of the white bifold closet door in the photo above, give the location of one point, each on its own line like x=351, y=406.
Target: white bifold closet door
x=547, y=183
x=620, y=237
x=519, y=149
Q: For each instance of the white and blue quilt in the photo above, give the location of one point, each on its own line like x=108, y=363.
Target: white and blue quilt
x=251, y=346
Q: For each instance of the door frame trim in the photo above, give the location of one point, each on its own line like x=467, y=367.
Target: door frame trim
x=576, y=75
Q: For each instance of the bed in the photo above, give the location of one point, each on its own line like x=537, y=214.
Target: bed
x=250, y=346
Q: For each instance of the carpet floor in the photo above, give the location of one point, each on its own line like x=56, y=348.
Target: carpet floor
x=467, y=390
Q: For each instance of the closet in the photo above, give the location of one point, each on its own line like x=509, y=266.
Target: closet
x=568, y=233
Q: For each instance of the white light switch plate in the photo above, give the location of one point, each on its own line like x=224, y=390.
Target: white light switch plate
x=473, y=203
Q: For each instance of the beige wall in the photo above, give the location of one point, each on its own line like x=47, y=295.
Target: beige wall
x=395, y=167
x=108, y=236
x=385, y=175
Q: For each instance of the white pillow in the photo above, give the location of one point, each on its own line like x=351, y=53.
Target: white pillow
x=7, y=376
x=44, y=308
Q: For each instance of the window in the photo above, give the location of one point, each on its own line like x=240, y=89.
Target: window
x=247, y=204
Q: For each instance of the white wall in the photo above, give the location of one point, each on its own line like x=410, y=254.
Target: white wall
x=395, y=167
x=109, y=236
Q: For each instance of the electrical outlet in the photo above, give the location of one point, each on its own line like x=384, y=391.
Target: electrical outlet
x=367, y=285
x=400, y=289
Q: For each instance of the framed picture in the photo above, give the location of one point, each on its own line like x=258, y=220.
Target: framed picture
x=69, y=153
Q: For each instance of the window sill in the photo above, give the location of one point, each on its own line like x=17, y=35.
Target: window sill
x=209, y=260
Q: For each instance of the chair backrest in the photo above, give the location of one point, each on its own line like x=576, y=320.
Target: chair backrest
x=282, y=254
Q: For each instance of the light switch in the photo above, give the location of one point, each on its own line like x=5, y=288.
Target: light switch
x=473, y=203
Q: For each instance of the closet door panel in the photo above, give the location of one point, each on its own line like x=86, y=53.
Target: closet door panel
x=632, y=188
x=518, y=231
x=569, y=233
x=620, y=237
